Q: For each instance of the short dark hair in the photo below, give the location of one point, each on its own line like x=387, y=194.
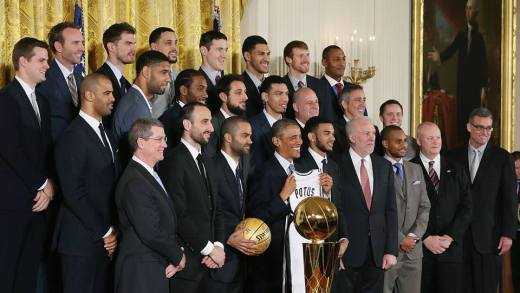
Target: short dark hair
x=185, y=78
x=327, y=50
x=480, y=112
x=348, y=90
x=288, y=50
x=114, y=32
x=515, y=155
x=207, y=38
x=224, y=84
x=188, y=109
x=155, y=35
x=90, y=81
x=56, y=33
x=389, y=102
x=280, y=126
x=250, y=43
x=269, y=81
x=230, y=126
x=385, y=133
x=25, y=48
x=149, y=58
x=141, y=128
x=313, y=123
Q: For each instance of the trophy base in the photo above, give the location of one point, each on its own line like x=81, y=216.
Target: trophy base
x=321, y=263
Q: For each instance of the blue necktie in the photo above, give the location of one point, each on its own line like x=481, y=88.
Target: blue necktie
x=399, y=171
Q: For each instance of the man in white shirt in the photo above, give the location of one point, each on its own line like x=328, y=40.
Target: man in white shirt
x=213, y=49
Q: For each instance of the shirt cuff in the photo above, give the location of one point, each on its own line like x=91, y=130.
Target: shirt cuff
x=218, y=244
x=44, y=185
x=108, y=233
x=341, y=239
x=412, y=235
x=207, y=249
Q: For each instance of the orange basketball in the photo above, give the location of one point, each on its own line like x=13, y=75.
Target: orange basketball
x=257, y=230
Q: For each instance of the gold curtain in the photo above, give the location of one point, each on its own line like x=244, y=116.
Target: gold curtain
x=189, y=18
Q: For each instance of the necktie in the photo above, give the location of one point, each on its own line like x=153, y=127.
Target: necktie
x=105, y=141
x=291, y=169
x=365, y=184
x=34, y=104
x=324, y=165
x=474, y=164
x=158, y=179
x=339, y=88
x=399, y=171
x=433, y=175
x=73, y=89
x=300, y=84
x=203, y=172
x=217, y=78
x=239, y=185
x=124, y=85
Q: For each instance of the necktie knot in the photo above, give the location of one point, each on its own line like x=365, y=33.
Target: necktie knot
x=430, y=164
x=300, y=84
x=399, y=170
x=124, y=84
x=217, y=78
x=324, y=164
x=339, y=88
x=291, y=168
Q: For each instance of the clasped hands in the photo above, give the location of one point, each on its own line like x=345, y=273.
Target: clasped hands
x=172, y=269
x=438, y=244
x=43, y=197
x=215, y=259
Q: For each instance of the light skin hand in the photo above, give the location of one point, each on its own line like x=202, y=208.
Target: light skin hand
x=218, y=256
x=326, y=182
x=41, y=201
x=110, y=242
x=208, y=262
x=343, y=244
x=504, y=244
x=389, y=260
x=433, y=244
x=236, y=241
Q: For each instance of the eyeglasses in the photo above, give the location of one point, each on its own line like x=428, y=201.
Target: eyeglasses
x=482, y=128
x=157, y=139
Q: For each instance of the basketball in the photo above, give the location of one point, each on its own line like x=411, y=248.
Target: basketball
x=257, y=230
x=316, y=218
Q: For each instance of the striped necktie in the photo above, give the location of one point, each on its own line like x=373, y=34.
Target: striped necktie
x=433, y=175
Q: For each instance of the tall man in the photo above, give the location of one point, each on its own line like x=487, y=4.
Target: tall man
x=164, y=40
x=333, y=59
x=370, y=210
x=493, y=225
x=257, y=57
x=147, y=218
x=190, y=180
x=296, y=56
x=391, y=113
x=213, y=48
x=447, y=185
x=413, y=209
x=25, y=168
x=61, y=86
x=87, y=166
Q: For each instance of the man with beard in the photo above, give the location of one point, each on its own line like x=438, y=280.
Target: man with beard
x=232, y=188
x=257, y=56
x=213, y=49
x=190, y=180
x=119, y=42
x=152, y=69
x=164, y=40
x=275, y=96
x=232, y=93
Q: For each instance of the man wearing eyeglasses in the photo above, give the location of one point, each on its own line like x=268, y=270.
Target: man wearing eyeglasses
x=493, y=224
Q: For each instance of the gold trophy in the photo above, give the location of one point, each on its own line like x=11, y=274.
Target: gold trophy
x=316, y=219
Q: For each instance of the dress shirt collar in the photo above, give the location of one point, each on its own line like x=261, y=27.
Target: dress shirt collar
x=115, y=70
x=181, y=103
x=295, y=81
x=283, y=162
x=226, y=115
x=317, y=157
x=332, y=81
x=392, y=161
x=193, y=150
x=255, y=80
x=356, y=159
x=64, y=70
x=480, y=149
x=270, y=118
x=346, y=118
x=135, y=86
x=302, y=125
x=26, y=88
x=231, y=162
x=148, y=168
x=93, y=122
x=212, y=74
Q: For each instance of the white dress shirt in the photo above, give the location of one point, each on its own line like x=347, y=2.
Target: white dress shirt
x=212, y=74
x=295, y=81
x=436, y=165
x=270, y=119
x=356, y=160
x=116, y=71
x=94, y=124
x=255, y=80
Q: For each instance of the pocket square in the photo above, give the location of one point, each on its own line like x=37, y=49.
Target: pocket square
x=416, y=182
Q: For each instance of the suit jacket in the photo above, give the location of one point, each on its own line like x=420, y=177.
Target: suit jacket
x=322, y=92
x=213, y=100
x=88, y=177
x=213, y=147
x=336, y=97
x=341, y=144
x=199, y=219
x=375, y=228
x=117, y=92
x=254, y=103
x=413, y=207
x=451, y=207
x=262, y=147
x=264, y=202
x=172, y=124
x=25, y=150
x=56, y=93
x=131, y=107
x=492, y=190
x=161, y=103
x=148, y=224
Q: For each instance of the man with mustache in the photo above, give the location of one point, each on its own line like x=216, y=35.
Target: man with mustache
x=213, y=49
x=257, y=56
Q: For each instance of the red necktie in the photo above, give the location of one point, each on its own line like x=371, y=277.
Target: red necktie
x=365, y=184
x=339, y=88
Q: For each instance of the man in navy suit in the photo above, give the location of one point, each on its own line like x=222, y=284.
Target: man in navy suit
x=61, y=86
x=87, y=167
x=25, y=168
x=257, y=57
x=296, y=56
x=213, y=48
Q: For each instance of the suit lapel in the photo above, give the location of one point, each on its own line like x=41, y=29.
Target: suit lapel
x=483, y=163
x=231, y=181
x=94, y=137
x=194, y=170
x=351, y=171
x=25, y=103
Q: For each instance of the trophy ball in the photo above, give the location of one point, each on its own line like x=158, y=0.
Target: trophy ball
x=316, y=218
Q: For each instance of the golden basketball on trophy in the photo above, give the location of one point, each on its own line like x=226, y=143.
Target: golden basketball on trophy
x=316, y=218
x=255, y=229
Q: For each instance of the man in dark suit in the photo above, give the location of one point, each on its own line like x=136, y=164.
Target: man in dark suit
x=213, y=48
x=257, y=57
x=370, y=210
x=61, y=86
x=190, y=181
x=515, y=248
x=232, y=188
x=447, y=184
x=391, y=113
x=25, y=168
x=87, y=166
x=190, y=86
x=120, y=45
x=413, y=209
x=164, y=40
x=275, y=97
x=296, y=56
x=231, y=91
x=493, y=225
x=150, y=252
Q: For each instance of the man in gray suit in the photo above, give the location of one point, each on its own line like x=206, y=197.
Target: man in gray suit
x=413, y=209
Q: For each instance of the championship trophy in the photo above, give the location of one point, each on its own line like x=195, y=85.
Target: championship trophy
x=316, y=219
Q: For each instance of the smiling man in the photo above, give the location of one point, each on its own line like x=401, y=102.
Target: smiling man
x=333, y=59
x=257, y=56
x=213, y=49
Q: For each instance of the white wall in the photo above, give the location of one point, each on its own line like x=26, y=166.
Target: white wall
x=319, y=22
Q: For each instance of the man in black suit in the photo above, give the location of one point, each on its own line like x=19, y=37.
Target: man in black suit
x=150, y=252
x=257, y=57
x=190, y=181
x=493, y=225
x=232, y=188
x=275, y=97
x=61, y=86
x=447, y=184
x=120, y=45
x=296, y=56
x=87, y=166
x=25, y=168
x=231, y=91
x=213, y=48
x=370, y=210
x=190, y=86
